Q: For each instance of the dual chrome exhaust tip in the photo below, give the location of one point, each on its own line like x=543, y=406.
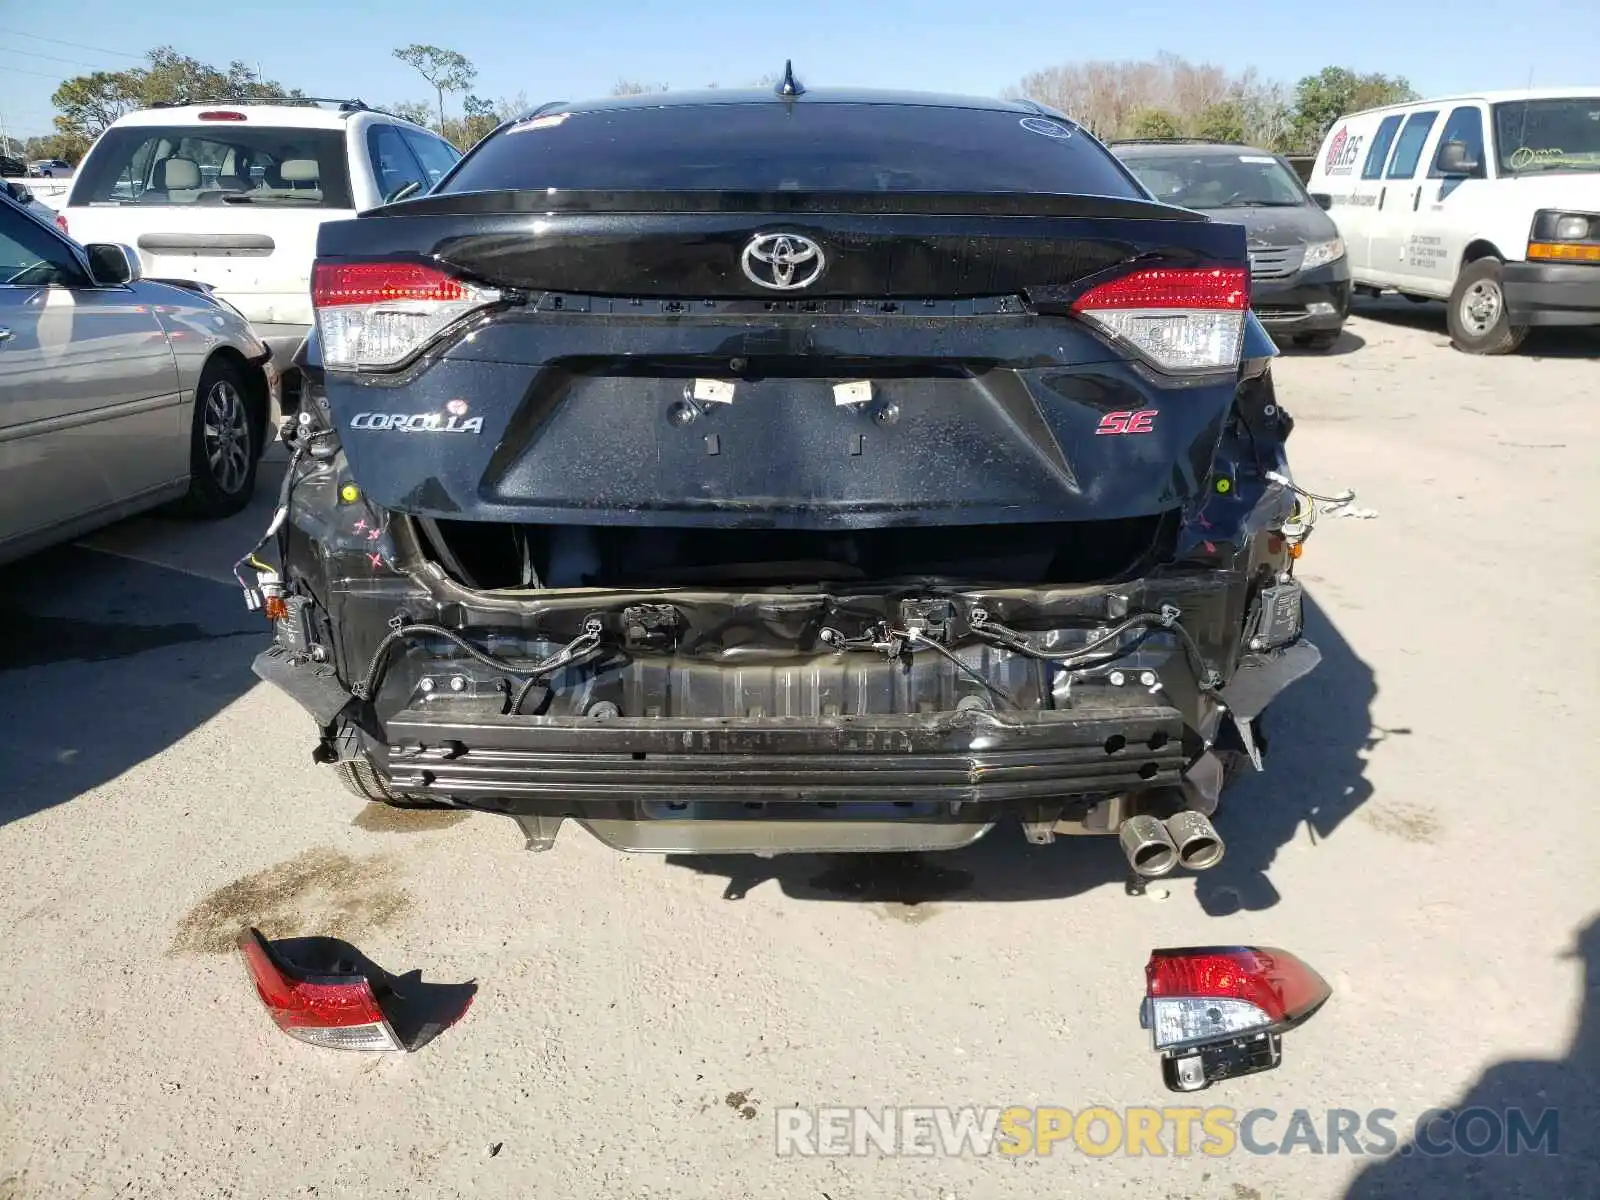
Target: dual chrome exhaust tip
x=1154, y=847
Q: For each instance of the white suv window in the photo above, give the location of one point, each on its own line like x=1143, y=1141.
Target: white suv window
x=226, y=163
x=393, y=164
x=436, y=155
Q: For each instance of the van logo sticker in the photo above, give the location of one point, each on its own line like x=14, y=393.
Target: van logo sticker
x=1342, y=152
x=418, y=422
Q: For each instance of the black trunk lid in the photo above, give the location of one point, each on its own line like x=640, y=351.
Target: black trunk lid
x=638, y=375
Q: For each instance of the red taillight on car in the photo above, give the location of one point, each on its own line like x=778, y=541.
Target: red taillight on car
x=335, y=284
x=1215, y=1012
x=377, y=315
x=1180, y=318
x=61, y=224
x=218, y=114
x=337, y=1011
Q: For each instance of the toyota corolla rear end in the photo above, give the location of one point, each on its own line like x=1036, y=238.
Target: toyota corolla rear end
x=791, y=473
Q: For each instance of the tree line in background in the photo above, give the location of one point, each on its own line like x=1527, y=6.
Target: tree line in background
x=86, y=104
x=1164, y=97
x=1169, y=96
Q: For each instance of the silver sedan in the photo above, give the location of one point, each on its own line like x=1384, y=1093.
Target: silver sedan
x=117, y=393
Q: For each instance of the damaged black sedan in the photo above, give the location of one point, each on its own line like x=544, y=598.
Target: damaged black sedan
x=790, y=471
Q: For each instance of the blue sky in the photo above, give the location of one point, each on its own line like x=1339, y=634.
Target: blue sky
x=575, y=50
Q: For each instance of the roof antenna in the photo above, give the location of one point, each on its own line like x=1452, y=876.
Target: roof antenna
x=789, y=85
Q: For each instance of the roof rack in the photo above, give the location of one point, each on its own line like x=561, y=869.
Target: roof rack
x=343, y=105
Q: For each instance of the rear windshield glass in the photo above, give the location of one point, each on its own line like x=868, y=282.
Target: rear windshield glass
x=805, y=147
x=226, y=162
x=1219, y=180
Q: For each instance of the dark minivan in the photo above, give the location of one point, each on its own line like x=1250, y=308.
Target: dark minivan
x=1299, y=275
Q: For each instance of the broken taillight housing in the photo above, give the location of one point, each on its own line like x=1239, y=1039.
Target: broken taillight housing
x=377, y=315
x=1181, y=319
x=1216, y=1012
x=338, y=1011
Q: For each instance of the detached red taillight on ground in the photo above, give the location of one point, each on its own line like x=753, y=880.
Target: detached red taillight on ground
x=337, y=1011
x=1218, y=1012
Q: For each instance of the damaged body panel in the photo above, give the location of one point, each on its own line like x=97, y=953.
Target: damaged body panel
x=631, y=537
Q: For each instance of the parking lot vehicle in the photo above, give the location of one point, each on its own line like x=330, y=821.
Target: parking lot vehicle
x=23, y=197
x=117, y=393
x=233, y=192
x=49, y=168
x=1490, y=202
x=1299, y=275
x=12, y=168
x=782, y=471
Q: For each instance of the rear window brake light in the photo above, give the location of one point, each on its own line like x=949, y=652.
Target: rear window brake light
x=222, y=114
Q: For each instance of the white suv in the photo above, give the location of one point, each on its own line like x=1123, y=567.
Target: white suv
x=232, y=194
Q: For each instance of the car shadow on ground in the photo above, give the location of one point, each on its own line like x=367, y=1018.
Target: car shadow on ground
x=1349, y=342
x=1570, y=1086
x=1428, y=315
x=1320, y=727
x=105, y=662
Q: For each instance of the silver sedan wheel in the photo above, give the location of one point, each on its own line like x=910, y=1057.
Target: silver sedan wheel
x=1481, y=305
x=227, y=436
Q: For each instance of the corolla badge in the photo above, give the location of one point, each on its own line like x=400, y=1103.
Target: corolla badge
x=453, y=420
x=784, y=262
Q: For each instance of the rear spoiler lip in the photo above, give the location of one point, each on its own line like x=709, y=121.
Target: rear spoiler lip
x=779, y=204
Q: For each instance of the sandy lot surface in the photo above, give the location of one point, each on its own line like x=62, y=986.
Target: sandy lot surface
x=1425, y=835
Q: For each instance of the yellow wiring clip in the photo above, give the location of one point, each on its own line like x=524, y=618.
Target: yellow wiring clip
x=349, y=493
x=1224, y=486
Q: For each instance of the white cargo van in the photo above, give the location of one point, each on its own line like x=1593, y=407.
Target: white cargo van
x=1490, y=202
x=232, y=193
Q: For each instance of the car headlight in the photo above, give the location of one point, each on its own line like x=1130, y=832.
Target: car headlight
x=1321, y=253
x=1564, y=237
x=1571, y=228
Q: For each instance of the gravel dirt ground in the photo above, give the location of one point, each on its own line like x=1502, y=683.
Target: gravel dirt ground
x=1424, y=835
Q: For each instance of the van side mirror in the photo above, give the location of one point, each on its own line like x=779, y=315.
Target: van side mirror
x=113, y=265
x=1322, y=200
x=1455, y=159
